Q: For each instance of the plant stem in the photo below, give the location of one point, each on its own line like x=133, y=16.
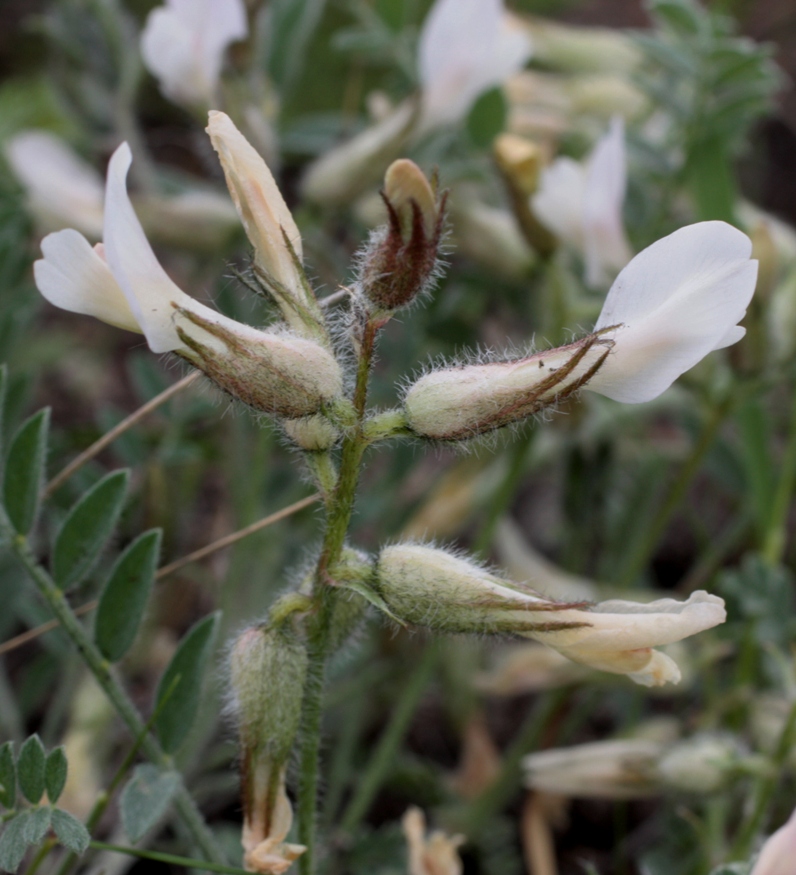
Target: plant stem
x=383, y=756
x=339, y=510
x=774, y=540
x=201, y=865
x=99, y=667
x=765, y=790
x=671, y=501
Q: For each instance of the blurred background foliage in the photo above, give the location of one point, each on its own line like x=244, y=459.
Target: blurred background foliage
x=691, y=491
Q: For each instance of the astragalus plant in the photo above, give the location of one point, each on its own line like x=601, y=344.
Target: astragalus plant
x=309, y=371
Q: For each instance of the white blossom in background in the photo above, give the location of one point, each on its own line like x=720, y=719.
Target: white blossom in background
x=466, y=47
x=778, y=854
x=674, y=303
x=433, y=853
x=581, y=202
x=120, y=281
x=62, y=189
x=183, y=45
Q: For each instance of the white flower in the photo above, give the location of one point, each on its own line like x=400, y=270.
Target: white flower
x=430, y=854
x=183, y=45
x=582, y=204
x=431, y=587
x=466, y=47
x=62, y=189
x=121, y=282
x=674, y=303
x=778, y=853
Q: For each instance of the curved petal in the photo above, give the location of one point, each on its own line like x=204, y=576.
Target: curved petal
x=150, y=293
x=675, y=302
x=777, y=854
x=75, y=277
x=626, y=626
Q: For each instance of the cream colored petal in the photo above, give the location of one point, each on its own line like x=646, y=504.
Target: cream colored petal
x=75, y=277
x=259, y=202
x=558, y=203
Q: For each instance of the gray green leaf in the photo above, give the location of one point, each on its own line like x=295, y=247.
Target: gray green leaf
x=55, y=774
x=30, y=769
x=24, y=471
x=145, y=799
x=8, y=776
x=70, y=832
x=12, y=842
x=123, y=601
x=86, y=529
x=180, y=687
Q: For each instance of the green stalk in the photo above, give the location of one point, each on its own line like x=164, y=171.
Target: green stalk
x=99, y=667
x=764, y=790
x=384, y=754
x=774, y=540
x=639, y=559
x=187, y=862
x=339, y=509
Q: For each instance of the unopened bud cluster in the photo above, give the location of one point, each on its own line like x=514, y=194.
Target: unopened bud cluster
x=400, y=261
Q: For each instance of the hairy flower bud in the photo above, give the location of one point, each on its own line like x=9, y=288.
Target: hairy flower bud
x=276, y=372
x=454, y=404
x=401, y=258
x=268, y=667
x=312, y=433
x=267, y=671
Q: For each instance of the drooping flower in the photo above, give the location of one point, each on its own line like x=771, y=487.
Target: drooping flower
x=779, y=851
x=183, y=45
x=121, y=282
x=582, y=204
x=465, y=48
x=431, y=587
x=674, y=303
x=62, y=189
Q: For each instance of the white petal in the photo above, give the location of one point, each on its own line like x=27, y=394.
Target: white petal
x=620, y=625
x=559, y=200
x=259, y=202
x=74, y=277
x=62, y=188
x=777, y=854
x=466, y=47
x=150, y=292
x=606, y=246
x=183, y=45
x=676, y=301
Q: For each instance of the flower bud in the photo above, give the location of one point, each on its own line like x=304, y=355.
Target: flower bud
x=275, y=372
x=433, y=588
x=429, y=587
x=401, y=257
x=267, y=671
x=432, y=854
x=268, y=667
x=454, y=404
